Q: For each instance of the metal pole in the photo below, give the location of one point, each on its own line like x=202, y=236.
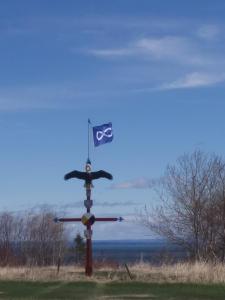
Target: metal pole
x=89, y=122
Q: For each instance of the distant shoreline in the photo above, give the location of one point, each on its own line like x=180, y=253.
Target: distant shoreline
x=130, y=251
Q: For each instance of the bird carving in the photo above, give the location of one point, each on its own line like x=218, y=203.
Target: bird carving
x=88, y=176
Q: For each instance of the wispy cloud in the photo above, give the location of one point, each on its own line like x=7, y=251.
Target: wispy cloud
x=51, y=96
x=94, y=23
x=179, y=49
x=190, y=52
x=194, y=80
x=140, y=183
x=162, y=53
x=208, y=32
x=161, y=47
x=112, y=52
x=167, y=47
x=100, y=203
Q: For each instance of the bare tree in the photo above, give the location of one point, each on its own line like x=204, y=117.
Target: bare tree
x=6, y=236
x=192, y=205
x=31, y=238
x=46, y=240
x=219, y=212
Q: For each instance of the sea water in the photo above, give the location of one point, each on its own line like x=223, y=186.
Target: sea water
x=124, y=251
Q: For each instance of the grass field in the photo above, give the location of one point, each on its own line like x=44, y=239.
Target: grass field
x=167, y=282
x=109, y=291
x=196, y=273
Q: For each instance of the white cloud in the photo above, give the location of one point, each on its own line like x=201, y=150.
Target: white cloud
x=183, y=53
x=165, y=47
x=49, y=96
x=172, y=49
x=208, y=32
x=80, y=204
x=140, y=183
x=193, y=80
x=112, y=52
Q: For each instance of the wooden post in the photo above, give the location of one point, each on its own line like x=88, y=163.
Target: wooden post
x=58, y=264
x=128, y=272
x=88, y=219
x=88, y=266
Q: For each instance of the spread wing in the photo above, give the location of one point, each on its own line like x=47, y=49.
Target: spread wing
x=101, y=174
x=76, y=174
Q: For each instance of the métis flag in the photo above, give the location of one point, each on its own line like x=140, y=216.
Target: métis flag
x=102, y=134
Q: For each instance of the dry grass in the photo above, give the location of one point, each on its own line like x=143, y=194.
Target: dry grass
x=41, y=273
x=180, y=272
x=199, y=272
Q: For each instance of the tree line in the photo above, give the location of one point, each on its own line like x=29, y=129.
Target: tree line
x=31, y=239
x=190, y=209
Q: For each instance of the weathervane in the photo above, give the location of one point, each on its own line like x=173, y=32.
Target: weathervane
x=102, y=134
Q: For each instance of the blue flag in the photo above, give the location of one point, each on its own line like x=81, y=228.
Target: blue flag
x=102, y=134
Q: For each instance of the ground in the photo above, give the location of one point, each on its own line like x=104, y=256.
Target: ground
x=110, y=290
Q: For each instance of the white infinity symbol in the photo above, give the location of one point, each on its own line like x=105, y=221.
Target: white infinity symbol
x=107, y=133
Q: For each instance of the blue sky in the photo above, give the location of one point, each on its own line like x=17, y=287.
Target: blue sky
x=155, y=69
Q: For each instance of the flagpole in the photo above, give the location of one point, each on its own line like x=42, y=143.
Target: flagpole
x=89, y=122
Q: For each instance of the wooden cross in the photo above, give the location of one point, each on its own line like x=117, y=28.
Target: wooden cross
x=88, y=218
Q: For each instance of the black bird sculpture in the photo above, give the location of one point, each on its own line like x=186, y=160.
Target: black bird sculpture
x=88, y=176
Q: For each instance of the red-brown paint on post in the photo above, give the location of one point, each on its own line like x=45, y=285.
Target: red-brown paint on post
x=88, y=264
x=69, y=220
x=106, y=219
